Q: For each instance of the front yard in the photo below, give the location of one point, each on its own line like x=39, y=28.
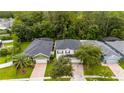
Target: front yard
x=48, y=69
x=101, y=79
x=98, y=70
x=10, y=73
x=121, y=63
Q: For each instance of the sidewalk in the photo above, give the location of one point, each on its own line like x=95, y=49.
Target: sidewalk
x=6, y=64
x=117, y=70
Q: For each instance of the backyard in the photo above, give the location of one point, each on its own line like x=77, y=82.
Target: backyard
x=5, y=59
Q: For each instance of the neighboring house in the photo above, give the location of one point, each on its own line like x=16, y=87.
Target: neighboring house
x=109, y=55
x=111, y=39
x=40, y=50
x=6, y=23
x=118, y=46
x=67, y=47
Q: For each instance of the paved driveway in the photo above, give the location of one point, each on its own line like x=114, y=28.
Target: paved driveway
x=39, y=71
x=78, y=74
x=117, y=70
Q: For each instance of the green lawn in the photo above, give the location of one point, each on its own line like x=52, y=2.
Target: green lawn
x=48, y=69
x=7, y=73
x=5, y=58
x=59, y=79
x=121, y=63
x=10, y=73
x=24, y=45
x=101, y=79
x=8, y=44
x=98, y=70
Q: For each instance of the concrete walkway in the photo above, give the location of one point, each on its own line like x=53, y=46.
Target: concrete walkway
x=78, y=74
x=117, y=70
x=4, y=65
x=39, y=71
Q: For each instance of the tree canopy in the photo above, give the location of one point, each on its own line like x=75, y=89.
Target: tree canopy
x=89, y=55
x=61, y=67
x=76, y=25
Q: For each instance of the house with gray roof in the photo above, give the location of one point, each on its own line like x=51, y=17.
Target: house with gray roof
x=118, y=46
x=6, y=23
x=66, y=47
x=40, y=49
x=109, y=55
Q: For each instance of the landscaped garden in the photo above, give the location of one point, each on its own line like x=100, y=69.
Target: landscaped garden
x=121, y=63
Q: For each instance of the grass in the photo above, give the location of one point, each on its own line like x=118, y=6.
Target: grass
x=7, y=73
x=8, y=44
x=59, y=79
x=24, y=45
x=121, y=63
x=22, y=75
x=98, y=70
x=48, y=69
x=101, y=79
x=5, y=58
x=10, y=73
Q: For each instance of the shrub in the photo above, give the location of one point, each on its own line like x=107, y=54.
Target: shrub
x=4, y=52
x=61, y=67
x=6, y=38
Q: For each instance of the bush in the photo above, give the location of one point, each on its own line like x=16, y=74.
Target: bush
x=3, y=52
x=6, y=38
x=61, y=67
x=9, y=51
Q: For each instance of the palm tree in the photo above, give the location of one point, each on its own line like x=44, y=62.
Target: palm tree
x=21, y=61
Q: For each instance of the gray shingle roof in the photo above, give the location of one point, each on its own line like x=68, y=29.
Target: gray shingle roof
x=118, y=45
x=106, y=50
x=111, y=38
x=41, y=45
x=67, y=43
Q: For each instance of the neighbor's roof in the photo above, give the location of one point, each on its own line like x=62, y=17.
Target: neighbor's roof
x=106, y=50
x=6, y=23
x=118, y=45
x=41, y=45
x=111, y=38
x=67, y=43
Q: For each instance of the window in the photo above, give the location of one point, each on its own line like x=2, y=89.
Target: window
x=59, y=52
x=67, y=51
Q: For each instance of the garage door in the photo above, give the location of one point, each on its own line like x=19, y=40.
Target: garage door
x=41, y=60
x=111, y=61
x=75, y=60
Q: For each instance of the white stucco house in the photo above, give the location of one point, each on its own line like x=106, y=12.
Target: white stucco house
x=40, y=50
x=67, y=47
